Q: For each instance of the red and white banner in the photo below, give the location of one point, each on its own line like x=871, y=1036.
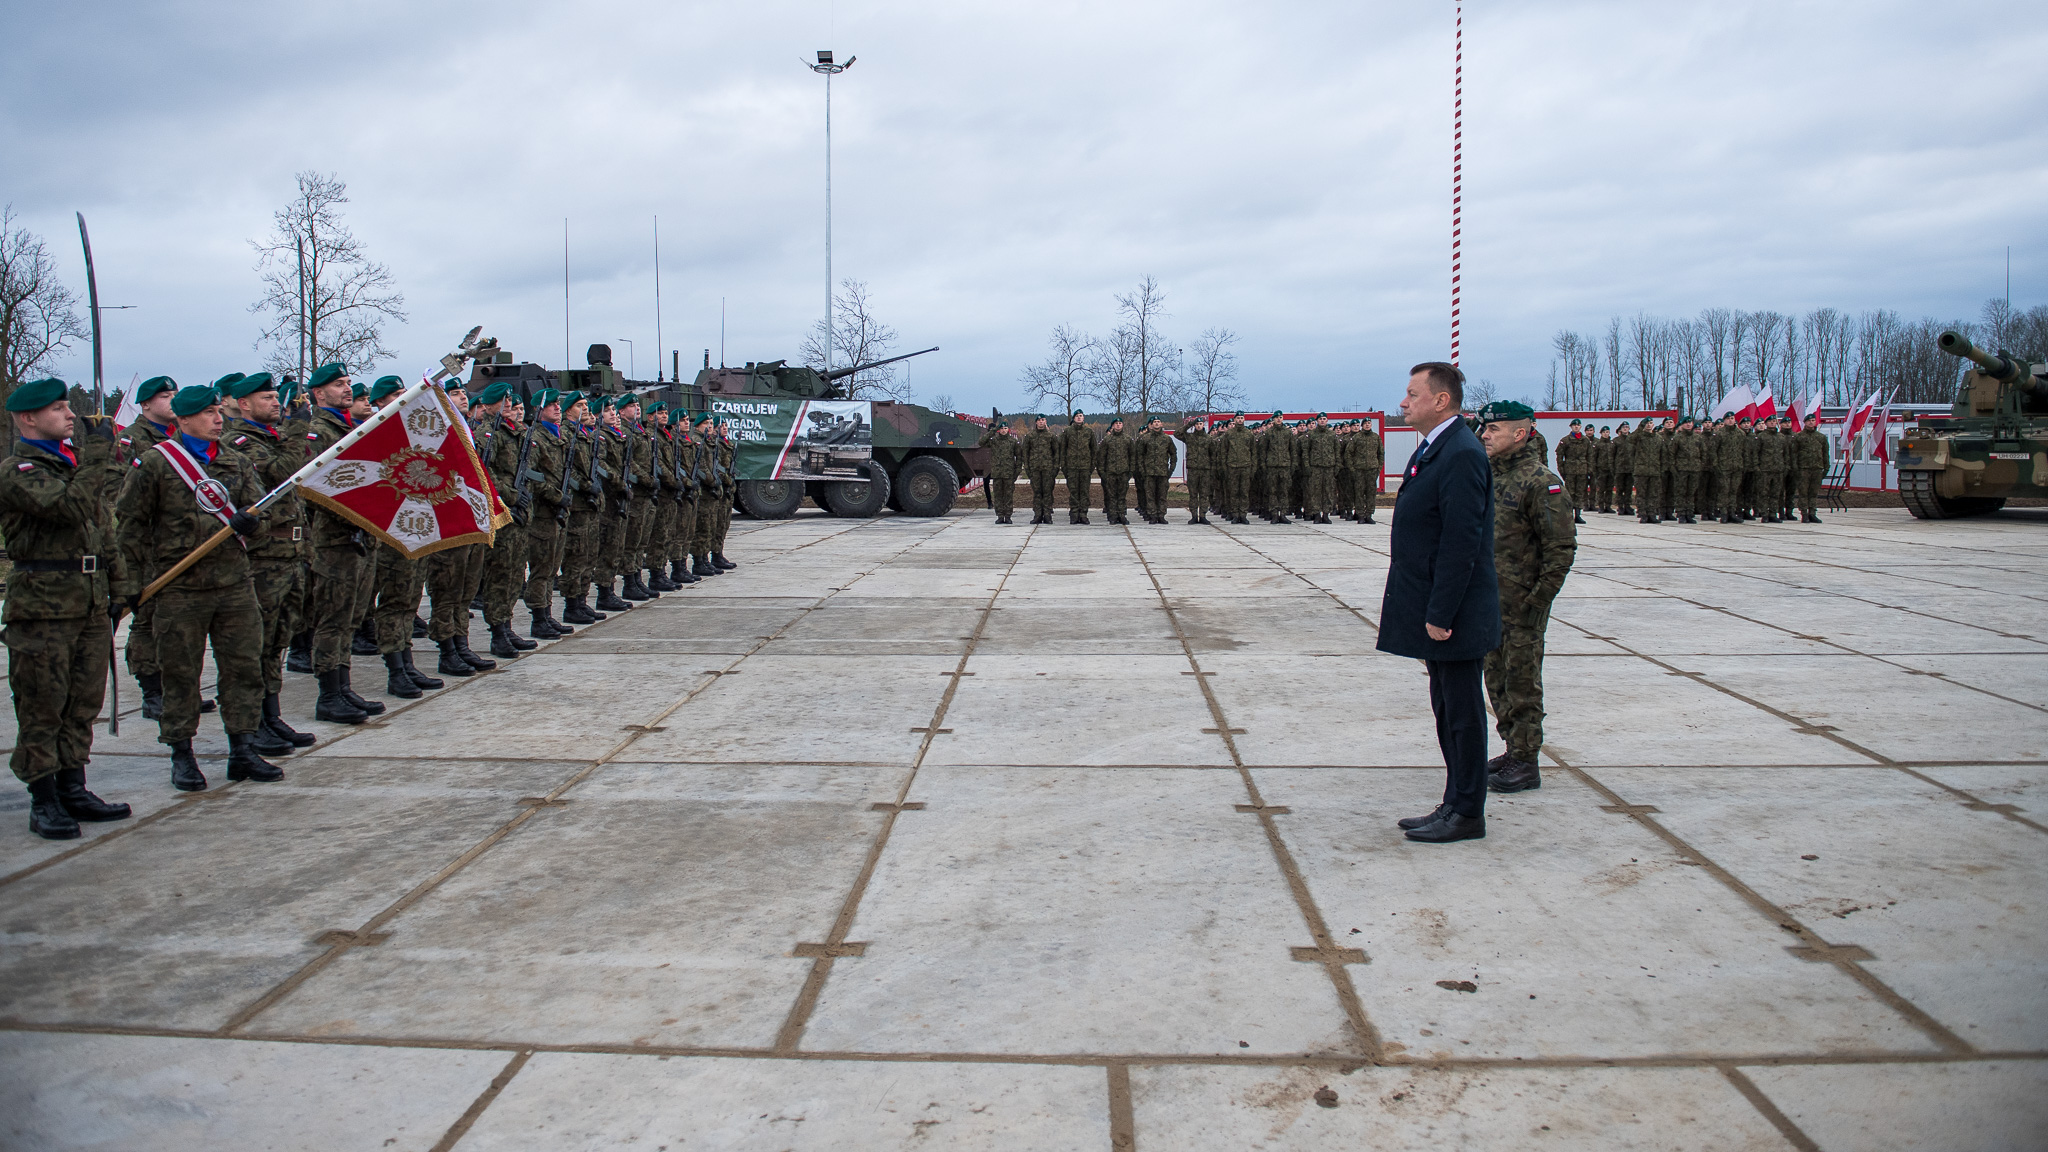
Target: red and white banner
x=1858, y=417
x=1766, y=405
x=1738, y=400
x=413, y=479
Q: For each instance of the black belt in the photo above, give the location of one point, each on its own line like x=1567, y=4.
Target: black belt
x=78, y=564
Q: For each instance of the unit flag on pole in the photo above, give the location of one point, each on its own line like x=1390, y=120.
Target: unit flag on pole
x=414, y=480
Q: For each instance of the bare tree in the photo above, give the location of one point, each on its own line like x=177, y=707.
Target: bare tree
x=324, y=299
x=37, y=323
x=1151, y=353
x=858, y=338
x=1766, y=346
x=1113, y=378
x=1064, y=374
x=1211, y=381
x=943, y=402
x=1617, y=369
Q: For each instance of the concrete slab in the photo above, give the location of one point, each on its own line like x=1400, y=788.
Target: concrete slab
x=1993, y=1106
x=806, y=709
x=101, y=1092
x=1078, y=710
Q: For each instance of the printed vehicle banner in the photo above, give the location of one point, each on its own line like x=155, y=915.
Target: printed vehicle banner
x=799, y=439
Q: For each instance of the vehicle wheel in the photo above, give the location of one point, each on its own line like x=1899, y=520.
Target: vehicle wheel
x=860, y=499
x=1916, y=492
x=771, y=499
x=926, y=486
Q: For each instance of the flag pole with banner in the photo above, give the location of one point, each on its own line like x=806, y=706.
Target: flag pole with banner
x=418, y=484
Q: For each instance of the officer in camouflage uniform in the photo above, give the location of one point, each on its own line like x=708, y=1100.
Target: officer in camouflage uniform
x=1199, y=448
x=214, y=600
x=1534, y=543
x=1810, y=453
x=1155, y=469
x=1575, y=464
x=341, y=568
x=153, y=396
x=276, y=558
x=54, y=497
x=1114, y=457
x=1238, y=457
x=579, y=553
x=1077, y=464
x=1319, y=453
x=1005, y=459
x=506, y=448
x=1041, y=449
x=552, y=483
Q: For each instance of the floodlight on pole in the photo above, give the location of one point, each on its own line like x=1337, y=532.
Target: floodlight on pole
x=826, y=68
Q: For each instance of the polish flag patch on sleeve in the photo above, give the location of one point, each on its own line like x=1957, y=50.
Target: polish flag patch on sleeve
x=1556, y=488
x=24, y=467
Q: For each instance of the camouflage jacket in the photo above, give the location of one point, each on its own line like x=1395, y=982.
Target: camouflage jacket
x=275, y=459
x=1652, y=453
x=1237, y=449
x=1041, y=451
x=1319, y=448
x=617, y=465
x=1574, y=455
x=1276, y=447
x=1603, y=456
x=646, y=465
x=138, y=438
x=727, y=452
x=1155, y=453
x=161, y=523
x=1077, y=450
x=1005, y=454
x=1200, y=446
x=544, y=467
x=497, y=445
x=1771, y=451
x=1116, y=455
x=54, y=511
x=1372, y=453
x=583, y=451
x=1689, y=453
x=1624, y=458
x=1534, y=541
x=1810, y=450
x=328, y=529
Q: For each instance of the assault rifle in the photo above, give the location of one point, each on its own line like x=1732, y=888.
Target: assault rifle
x=568, y=475
x=522, y=500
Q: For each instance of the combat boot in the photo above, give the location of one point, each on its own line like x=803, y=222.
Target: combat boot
x=46, y=815
x=332, y=706
x=608, y=600
x=80, y=804
x=1517, y=775
x=575, y=611
x=300, y=657
x=1687, y=520
x=718, y=560
x=631, y=591
x=152, y=695
x=1576, y=518
x=462, y=649
x=273, y=719
x=539, y=626
x=419, y=628
x=476, y=603
x=245, y=764
x=658, y=581
x=1282, y=520
x=185, y=773
x=426, y=683
x=364, y=642
x=452, y=663
x=348, y=689
x=397, y=681
x=679, y=572
x=501, y=642
x=702, y=568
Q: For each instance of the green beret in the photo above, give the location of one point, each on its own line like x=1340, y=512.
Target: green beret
x=569, y=399
x=326, y=374
x=545, y=397
x=154, y=385
x=288, y=391
x=629, y=399
x=657, y=406
x=36, y=394
x=250, y=385
x=226, y=382
x=1276, y=415
x=705, y=418
x=1575, y=421
x=359, y=391
x=1501, y=410
x=1605, y=428
x=494, y=393
x=1078, y=412
x=1236, y=415
x=385, y=386
x=1322, y=415
x=194, y=400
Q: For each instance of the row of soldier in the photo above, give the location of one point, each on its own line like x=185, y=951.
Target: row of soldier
x=605, y=493
x=1315, y=469
x=1683, y=469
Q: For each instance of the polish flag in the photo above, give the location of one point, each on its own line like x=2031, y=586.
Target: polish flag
x=1858, y=418
x=1813, y=410
x=1735, y=401
x=1880, y=443
x=1766, y=404
x=1798, y=425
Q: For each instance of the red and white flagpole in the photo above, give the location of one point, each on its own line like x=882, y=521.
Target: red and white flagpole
x=1457, y=177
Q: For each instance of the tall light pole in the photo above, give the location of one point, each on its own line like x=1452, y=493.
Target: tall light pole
x=826, y=68
x=631, y=369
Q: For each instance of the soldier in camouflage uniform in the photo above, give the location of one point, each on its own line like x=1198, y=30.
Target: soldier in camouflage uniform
x=1688, y=461
x=1115, y=456
x=153, y=396
x=453, y=576
x=1077, y=464
x=615, y=525
x=1371, y=455
x=1005, y=459
x=1534, y=543
x=728, y=455
x=552, y=485
x=1041, y=449
x=341, y=568
x=1772, y=461
x=54, y=497
x=505, y=447
x=689, y=493
x=1809, y=464
x=586, y=483
x=1319, y=455
x=1155, y=469
x=1199, y=448
x=711, y=484
x=1236, y=457
x=277, y=558
x=1276, y=460
x=1574, y=463
x=162, y=522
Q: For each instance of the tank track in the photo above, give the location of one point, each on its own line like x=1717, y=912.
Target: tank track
x=1916, y=491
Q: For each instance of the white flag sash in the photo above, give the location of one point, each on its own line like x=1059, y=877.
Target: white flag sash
x=212, y=494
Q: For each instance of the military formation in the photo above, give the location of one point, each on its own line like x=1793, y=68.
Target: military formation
x=1315, y=470
x=1686, y=470
x=614, y=495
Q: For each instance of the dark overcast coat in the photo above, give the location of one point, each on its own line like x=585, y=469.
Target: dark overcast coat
x=1442, y=565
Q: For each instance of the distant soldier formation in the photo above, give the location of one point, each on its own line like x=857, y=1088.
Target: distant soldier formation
x=1315, y=470
x=610, y=494
x=1683, y=470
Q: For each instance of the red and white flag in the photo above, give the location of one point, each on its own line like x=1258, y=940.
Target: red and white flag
x=1813, y=410
x=1737, y=401
x=1766, y=405
x=1880, y=444
x=413, y=479
x=1798, y=423
x=1858, y=418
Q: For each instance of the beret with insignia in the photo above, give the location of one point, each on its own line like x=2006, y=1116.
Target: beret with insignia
x=226, y=382
x=36, y=394
x=154, y=385
x=385, y=386
x=494, y=393
x=250, y=385
x=1505, y=410
x=194, y=400
x=326, y=374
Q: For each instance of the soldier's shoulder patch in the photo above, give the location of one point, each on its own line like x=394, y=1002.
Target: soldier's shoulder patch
x=312, y=435
x=126, y=440
x=24, y=467
x=1556, y=488
x=241, y=440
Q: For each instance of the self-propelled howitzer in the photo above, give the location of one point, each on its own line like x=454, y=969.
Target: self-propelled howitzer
x=1992, y=445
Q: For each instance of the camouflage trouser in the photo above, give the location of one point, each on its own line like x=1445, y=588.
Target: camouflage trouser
x=1237, y=492
x=57, y=670
x=1152, y=491
x=1575, y=486
x=398, y=585
x=1041, y=494
x=1322, y=491
x=504, y=574
x=615, y=531
x=546, y=542
x=661, y=532
x=1279, y=491
x=1116, y=491
x=1649, y=494
x=452, y=578
x=579, y=554
x=1002, y=493
x=641, y=532
x=683, y=536
x=140, y=653
x=340, y=587
x=277, y=585
x=1747, y=501
x=1603, y=490
x=1769, y=496
x=723, y=523
x=1788, y=490
x=1077, y=495
x=1727, y=493
x=1683, y=491
x=185, y=622
x=1201, y=491
x=1514, y=683
x=1806, y=490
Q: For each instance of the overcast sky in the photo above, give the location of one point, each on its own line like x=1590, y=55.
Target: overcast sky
x=999, y=168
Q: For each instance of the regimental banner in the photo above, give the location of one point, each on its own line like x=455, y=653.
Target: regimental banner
x=414, y=480
x=787, y=439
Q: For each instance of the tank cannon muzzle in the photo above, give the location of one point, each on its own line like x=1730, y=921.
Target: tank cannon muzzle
x=843, y=373
x=1998, y=367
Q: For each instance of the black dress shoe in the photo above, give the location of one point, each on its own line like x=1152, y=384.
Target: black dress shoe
x=1448, y=827
x=1515, y=776
x=1407, y=822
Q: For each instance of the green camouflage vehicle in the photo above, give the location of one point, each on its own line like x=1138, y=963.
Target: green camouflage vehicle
x=1992, y=445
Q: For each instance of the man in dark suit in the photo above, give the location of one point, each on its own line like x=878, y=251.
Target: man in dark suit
x=1442, y=604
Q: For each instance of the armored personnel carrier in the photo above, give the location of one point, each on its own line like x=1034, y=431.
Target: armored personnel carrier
x=1992, y=445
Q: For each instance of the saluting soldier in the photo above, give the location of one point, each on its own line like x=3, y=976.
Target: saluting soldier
x=55, y=493
x=177, y=497
x=1534, y=543
x=1041, y=450
x=1005, y=459
x=276, y=559
x=1199, y=447
x=1077, y=464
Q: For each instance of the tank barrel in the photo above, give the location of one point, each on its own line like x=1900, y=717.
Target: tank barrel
x=1996, y=367
x=843, y=373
